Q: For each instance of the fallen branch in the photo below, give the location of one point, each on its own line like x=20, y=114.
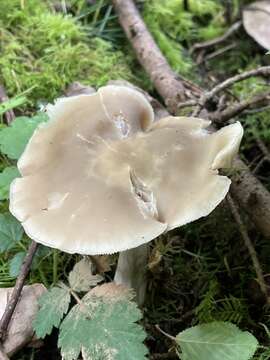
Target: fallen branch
x=245, y=186
x=251, y=195
x=250, y=247
x=170, y=86
x=15, y=295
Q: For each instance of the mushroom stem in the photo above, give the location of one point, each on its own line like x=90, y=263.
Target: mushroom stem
x=131, y=269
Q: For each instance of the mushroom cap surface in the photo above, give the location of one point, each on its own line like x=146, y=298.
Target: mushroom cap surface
x=101, y=176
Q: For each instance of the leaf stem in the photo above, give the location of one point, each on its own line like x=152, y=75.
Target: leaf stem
x=43, y=277
x=164, y=333
x=55, y=266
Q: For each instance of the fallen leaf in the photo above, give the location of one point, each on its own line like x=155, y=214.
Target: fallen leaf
x=20, y=331
x=102, y=263
x=154, y=260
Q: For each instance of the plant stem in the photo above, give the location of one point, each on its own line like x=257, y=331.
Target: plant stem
x=43, y=277
x=55, y=266
x=11, y=305
x=164, y=333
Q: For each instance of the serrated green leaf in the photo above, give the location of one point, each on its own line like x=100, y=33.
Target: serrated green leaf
x=105, y=327
x=11, y=231
x=53, y=306
x=81, y=277
x=215, y=341
x=6, y=177
x=16, y=263
x=14, y=138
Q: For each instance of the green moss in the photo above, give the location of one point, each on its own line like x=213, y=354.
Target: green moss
x=174, y=52
x=13, y=13
x=166, y=26
x=172, y=26
x=49, y=51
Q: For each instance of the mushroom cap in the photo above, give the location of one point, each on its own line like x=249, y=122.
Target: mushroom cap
x=256, y=19
x=101, y=176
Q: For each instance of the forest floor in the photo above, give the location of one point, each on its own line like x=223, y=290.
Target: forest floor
x=198, y=273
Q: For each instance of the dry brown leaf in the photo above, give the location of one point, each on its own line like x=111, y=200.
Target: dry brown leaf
x=154, y=260
x=101, y=262
x=20, y=330
x=256, y=20
x=112, y=291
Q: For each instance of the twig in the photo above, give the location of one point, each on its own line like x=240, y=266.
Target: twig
x=9, y=115
x=250, y=247
x=14, y=298
x=259, y=165
x=216, y=53
x=257, y=110
x=237, y=109
x=263, y=148
x=217, y=40
x=261, y=71
x=187, y=103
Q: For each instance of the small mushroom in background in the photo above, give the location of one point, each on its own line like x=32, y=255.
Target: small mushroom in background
x=101, y=176
x=256, y=20
x=20, y=330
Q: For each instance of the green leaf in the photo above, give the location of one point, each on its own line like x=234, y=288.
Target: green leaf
x=6, y=177
x=16, y=263
x=105, y=327
x=53, y=306
x=215, y=341
x=11, y=231
x=81, y=277
x=14, y=138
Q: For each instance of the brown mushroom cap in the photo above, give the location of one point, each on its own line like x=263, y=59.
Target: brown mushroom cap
x=102, y=177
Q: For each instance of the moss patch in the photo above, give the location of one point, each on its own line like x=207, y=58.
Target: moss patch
x=172, y=25
x=47, y=50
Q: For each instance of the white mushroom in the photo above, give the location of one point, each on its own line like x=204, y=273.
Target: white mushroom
x=256, y=18
x=102, y=177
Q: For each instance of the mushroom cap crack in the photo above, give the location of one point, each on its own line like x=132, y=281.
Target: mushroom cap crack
x=101, y=176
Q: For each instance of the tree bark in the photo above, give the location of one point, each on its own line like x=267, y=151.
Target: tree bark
x=252, y=196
